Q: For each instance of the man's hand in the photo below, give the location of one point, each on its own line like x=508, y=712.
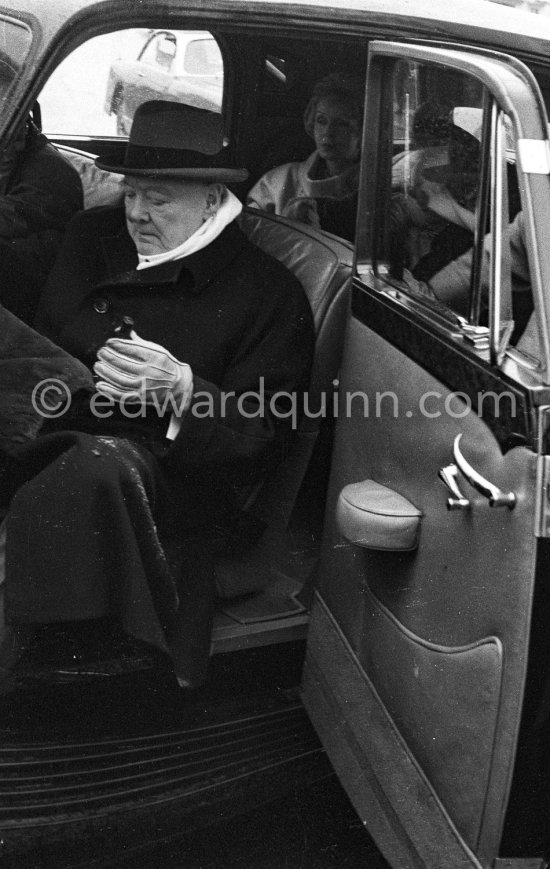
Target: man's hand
x=132, y=365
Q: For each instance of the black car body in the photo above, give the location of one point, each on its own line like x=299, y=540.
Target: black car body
x=407, y=557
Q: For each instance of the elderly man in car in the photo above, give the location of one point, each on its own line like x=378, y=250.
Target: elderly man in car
x=197, y=341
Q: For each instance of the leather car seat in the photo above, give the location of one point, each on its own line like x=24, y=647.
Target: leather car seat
x=323, y=265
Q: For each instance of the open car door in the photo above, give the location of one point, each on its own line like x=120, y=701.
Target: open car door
x=418, y=648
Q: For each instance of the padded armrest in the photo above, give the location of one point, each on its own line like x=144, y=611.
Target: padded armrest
x=372, y=516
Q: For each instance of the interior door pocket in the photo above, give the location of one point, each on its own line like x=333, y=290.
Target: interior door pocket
x=451, y=700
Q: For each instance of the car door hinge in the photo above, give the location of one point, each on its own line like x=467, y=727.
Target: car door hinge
x=519, y=863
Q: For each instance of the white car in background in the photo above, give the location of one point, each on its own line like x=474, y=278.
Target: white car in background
x=184, y=66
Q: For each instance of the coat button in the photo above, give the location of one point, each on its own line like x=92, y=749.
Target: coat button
x=101, y=306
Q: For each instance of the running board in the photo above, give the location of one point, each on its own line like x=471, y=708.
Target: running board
x=59, y=797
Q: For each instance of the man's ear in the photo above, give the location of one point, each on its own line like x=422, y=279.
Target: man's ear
x=214, y=195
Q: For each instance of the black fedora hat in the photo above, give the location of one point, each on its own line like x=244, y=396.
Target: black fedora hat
x=174, y=140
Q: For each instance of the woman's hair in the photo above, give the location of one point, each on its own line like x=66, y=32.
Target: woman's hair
x=348, y=90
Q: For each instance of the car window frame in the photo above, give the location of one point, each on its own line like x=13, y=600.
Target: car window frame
x=514, y=89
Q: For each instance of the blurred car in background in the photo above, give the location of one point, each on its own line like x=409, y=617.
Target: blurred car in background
x=185, y=67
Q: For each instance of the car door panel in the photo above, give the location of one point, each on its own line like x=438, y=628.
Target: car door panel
x=451, y=691
x=452, y=700
x=509, y=414
x=364, y=745
x=417, y=657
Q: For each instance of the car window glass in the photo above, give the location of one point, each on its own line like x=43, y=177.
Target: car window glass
x=203, y=57
x=96, y=90
x=441, y=128
x=435, y=175
x=15, y=39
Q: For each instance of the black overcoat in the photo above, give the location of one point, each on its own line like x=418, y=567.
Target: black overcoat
x=113, y=508
x=39, y=197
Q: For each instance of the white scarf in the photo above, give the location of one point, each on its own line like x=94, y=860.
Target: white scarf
x=229, y=209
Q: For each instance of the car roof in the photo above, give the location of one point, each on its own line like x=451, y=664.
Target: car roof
x=475, y=14
x=477, y=22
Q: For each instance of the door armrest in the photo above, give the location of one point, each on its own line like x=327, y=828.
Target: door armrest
x=374, y=517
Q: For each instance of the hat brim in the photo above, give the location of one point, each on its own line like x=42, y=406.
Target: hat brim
x=217, y=173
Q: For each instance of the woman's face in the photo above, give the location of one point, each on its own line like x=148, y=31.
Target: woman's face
x=336, y=133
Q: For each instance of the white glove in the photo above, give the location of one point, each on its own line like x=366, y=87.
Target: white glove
x=147, y=370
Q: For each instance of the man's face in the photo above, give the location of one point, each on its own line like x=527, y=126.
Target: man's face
x=162, y=214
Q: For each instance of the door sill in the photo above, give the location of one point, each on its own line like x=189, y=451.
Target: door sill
x=274, y=615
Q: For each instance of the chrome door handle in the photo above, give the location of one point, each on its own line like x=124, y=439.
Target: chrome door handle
x=497, y=498
x=458, y=501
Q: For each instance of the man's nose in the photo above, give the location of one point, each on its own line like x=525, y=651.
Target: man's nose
x=136, y=209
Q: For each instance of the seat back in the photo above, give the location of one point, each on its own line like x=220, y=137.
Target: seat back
x=323, y=265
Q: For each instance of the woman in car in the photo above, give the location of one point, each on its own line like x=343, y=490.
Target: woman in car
x=322, y=190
